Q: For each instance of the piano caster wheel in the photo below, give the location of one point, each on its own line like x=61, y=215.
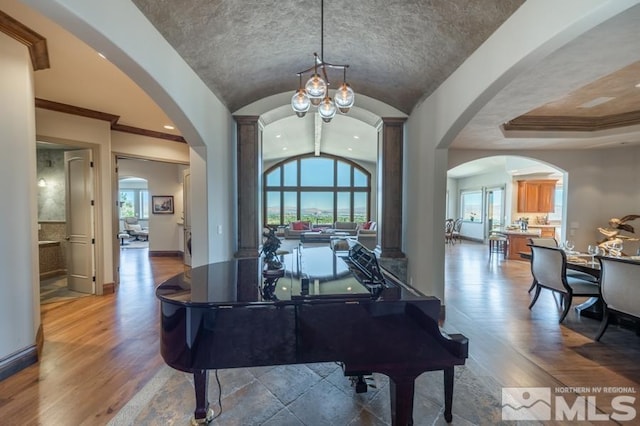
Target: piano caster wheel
x=205, y=421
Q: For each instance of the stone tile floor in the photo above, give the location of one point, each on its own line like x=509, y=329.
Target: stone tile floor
x=308, y=395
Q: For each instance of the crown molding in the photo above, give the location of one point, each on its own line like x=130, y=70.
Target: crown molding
x=112, y=119
x=572, y=123
x=36, y=44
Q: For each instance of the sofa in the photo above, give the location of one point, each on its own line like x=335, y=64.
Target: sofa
x=368, y=234
x=295, y=229
x=350, y=227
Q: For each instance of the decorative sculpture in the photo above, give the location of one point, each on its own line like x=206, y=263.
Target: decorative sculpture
x=273, y=270
x=270, y=245
x=612, y=237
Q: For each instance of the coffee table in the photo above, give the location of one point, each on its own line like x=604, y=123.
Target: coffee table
x=320, y=236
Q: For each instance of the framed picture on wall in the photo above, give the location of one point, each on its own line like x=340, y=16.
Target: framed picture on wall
x=162, y=204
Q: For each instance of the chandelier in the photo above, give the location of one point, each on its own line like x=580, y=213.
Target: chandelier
x=316, y=91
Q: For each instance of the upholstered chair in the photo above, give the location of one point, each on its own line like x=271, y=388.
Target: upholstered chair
x=549, y=269
x=620, y=290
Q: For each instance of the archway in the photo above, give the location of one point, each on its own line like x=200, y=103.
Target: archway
x=493, y=182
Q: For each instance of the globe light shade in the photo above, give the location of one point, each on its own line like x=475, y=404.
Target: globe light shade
x=344, y=98
x=316, y=88
x=327, y=109
x=300, y=102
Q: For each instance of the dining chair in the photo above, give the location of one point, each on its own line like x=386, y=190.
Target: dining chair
x=549, y=269
x=544, y=241
x=457, y=227
x=620, y=290
x=552, y=242
x=498, y=243
x=448, y=231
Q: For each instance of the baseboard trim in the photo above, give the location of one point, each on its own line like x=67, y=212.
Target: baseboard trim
x=40, y=341
x=108, y=288
x=165, y=253
x=18, y=361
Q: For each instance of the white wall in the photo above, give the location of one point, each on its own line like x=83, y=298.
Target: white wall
x=19, y=289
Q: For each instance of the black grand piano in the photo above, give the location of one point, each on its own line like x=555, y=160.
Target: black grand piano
x=323, y=305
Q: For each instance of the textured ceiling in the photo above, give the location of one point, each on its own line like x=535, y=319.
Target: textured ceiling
x=398, y=51
x=257, y=43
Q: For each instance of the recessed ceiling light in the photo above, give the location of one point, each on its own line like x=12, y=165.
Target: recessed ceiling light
x=169, y=127
x=102, y=55
x=356, y=137
x=638, y=85
x=349, y=149
x=277, y=136
x=284, y=148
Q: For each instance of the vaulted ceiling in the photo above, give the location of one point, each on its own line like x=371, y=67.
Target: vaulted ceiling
x=399, y=52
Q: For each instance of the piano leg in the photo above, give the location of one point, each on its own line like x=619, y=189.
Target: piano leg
x=203, y=413
x=448, y=393
x=401, y=390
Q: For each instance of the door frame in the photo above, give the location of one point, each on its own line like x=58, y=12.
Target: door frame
x=98, y=252
x=487, y=194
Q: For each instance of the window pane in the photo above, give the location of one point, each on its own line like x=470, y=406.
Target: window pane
x=290, y=207
x=291, y=174
x=316, y=172
x=471, y=206
x=144, y=204
x=360, y=200
x=127, y=200
x=273, y=178
x=273, y=208
x=359, y=178
x=316, y=207
x=344, y=207
x=344, y=174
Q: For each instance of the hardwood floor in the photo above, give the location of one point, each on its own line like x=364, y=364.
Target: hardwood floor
x=99, y=351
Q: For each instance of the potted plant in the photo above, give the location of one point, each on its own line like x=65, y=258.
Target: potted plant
x=472, y=216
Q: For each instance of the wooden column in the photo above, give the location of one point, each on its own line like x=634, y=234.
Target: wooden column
x=248, y=178
x=390, y=181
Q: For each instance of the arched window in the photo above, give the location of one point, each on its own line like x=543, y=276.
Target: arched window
x=321, y=189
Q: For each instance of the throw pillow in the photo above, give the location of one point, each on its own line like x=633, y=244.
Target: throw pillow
x=366, y=225
x=297, y=226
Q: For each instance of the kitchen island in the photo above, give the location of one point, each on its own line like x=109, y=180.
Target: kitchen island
x=518, y=240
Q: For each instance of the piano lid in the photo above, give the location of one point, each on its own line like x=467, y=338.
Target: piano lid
x=311, y=273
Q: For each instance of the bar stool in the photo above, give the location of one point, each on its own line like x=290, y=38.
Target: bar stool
x=498, y=243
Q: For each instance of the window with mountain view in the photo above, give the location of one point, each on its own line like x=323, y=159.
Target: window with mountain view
x=320, y=190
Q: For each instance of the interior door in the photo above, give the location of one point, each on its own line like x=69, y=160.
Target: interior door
x=80, y=249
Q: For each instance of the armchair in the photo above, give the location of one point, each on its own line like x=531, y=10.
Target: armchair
x=133, y=228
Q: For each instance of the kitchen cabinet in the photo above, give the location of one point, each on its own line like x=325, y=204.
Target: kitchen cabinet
x=519, y=242
x=536, y=196
x=546, y=231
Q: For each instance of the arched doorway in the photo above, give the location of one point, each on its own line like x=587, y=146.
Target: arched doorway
x=485, y=193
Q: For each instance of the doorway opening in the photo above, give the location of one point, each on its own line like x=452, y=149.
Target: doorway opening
x=66, y=226
x=133, y=218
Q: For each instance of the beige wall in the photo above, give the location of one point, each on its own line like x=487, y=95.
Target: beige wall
x=19, y=289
